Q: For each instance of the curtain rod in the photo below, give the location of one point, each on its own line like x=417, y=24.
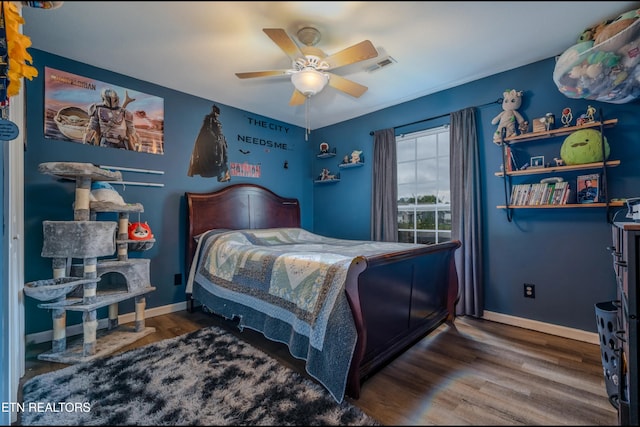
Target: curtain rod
x=498, y=101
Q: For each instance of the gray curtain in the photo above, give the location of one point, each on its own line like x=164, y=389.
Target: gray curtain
x=384, y=203
x=466, y=210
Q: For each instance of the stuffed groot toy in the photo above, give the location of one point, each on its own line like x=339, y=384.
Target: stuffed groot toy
x=512, y=100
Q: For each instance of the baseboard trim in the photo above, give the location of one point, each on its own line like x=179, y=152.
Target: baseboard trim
x=46, y=336
x=548, y=328
x=535, y=325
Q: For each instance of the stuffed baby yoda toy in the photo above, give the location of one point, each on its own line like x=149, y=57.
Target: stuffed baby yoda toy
x=512, y=100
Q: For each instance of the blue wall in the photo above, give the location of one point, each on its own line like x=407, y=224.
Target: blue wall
x=47, y=198
x=562, y=251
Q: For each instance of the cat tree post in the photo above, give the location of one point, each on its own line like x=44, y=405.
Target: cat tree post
x=123, y=255
x=141, y=303
x=89, y=318
x=113, y=316
x=81, y=210
x=58, y=315
x=123, y=235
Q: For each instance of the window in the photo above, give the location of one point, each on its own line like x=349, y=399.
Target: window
x=424, y=196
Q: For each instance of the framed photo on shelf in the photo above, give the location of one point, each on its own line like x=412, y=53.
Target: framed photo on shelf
x=588, y=188
x=537, y=162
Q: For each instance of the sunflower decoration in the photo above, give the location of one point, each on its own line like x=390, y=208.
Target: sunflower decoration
x=14, y=59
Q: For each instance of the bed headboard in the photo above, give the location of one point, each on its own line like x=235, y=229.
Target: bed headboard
x=237, y=206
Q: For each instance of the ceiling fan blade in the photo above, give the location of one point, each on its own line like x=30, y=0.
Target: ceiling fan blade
x=269, y=73
x=297, y=98
x=356, y=53
x=347, y=86
x=282, y=39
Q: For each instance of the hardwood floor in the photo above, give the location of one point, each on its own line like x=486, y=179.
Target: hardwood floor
x=474, y=372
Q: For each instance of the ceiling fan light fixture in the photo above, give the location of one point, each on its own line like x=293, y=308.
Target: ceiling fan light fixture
x=309, y=81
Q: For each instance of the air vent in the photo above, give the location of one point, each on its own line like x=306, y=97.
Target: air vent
x=384, y=62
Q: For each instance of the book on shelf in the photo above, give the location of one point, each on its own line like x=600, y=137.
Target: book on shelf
x=534, y=197
x=548, y=191
x=524, y=194
x=540, y=194
x=509, y=159
x=565, y=196
x=559, y=196
x=514, y=192
x=588, y=188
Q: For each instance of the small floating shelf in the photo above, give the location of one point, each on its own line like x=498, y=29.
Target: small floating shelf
x=350, y=165
x=325, y=155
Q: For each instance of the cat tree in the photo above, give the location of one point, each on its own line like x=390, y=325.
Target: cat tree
x=75, y=286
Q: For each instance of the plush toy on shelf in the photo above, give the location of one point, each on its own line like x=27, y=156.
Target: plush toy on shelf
x=507, y=119
x=355, y=156
x=584, y=146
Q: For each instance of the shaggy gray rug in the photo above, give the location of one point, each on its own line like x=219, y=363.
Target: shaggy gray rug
x=207, y=377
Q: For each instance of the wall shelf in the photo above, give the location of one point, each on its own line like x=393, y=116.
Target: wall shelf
x=350, y=165
x=567, y=205
x=327, y=154
x=553, y=169
x=558, y=132
x=507, y=174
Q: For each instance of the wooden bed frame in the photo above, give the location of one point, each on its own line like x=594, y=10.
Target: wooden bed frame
x=396, y=298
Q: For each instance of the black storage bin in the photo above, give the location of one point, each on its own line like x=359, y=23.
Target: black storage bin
x=607, y=320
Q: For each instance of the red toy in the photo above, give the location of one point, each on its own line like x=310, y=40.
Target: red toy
x=139, y=231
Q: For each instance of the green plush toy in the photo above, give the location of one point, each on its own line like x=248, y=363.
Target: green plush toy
x=584, y=146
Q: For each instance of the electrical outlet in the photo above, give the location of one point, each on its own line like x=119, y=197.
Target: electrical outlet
x=177, y=279
x=529, y=290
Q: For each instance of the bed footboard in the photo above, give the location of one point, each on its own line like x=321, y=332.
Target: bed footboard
x=396, y=300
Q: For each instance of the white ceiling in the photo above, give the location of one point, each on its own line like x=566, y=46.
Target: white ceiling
x=196, y=47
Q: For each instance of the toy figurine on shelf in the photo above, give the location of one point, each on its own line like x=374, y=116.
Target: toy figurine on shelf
x=586, y=117
x=567, y=117
x=326, y=175
x=523, y=127
x=355, y=156
x=509, y=116
x=549, y=121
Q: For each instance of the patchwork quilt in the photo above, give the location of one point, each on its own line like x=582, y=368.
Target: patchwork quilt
x=287, y=283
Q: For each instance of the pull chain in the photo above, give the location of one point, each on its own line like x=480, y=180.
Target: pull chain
x=307, y=120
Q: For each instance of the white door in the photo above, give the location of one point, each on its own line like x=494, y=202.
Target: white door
x=13, y=309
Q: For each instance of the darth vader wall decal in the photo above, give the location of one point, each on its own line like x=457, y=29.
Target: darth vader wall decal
x=209, y=155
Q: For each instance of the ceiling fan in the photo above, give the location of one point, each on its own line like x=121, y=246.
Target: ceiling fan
x=311, y=67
